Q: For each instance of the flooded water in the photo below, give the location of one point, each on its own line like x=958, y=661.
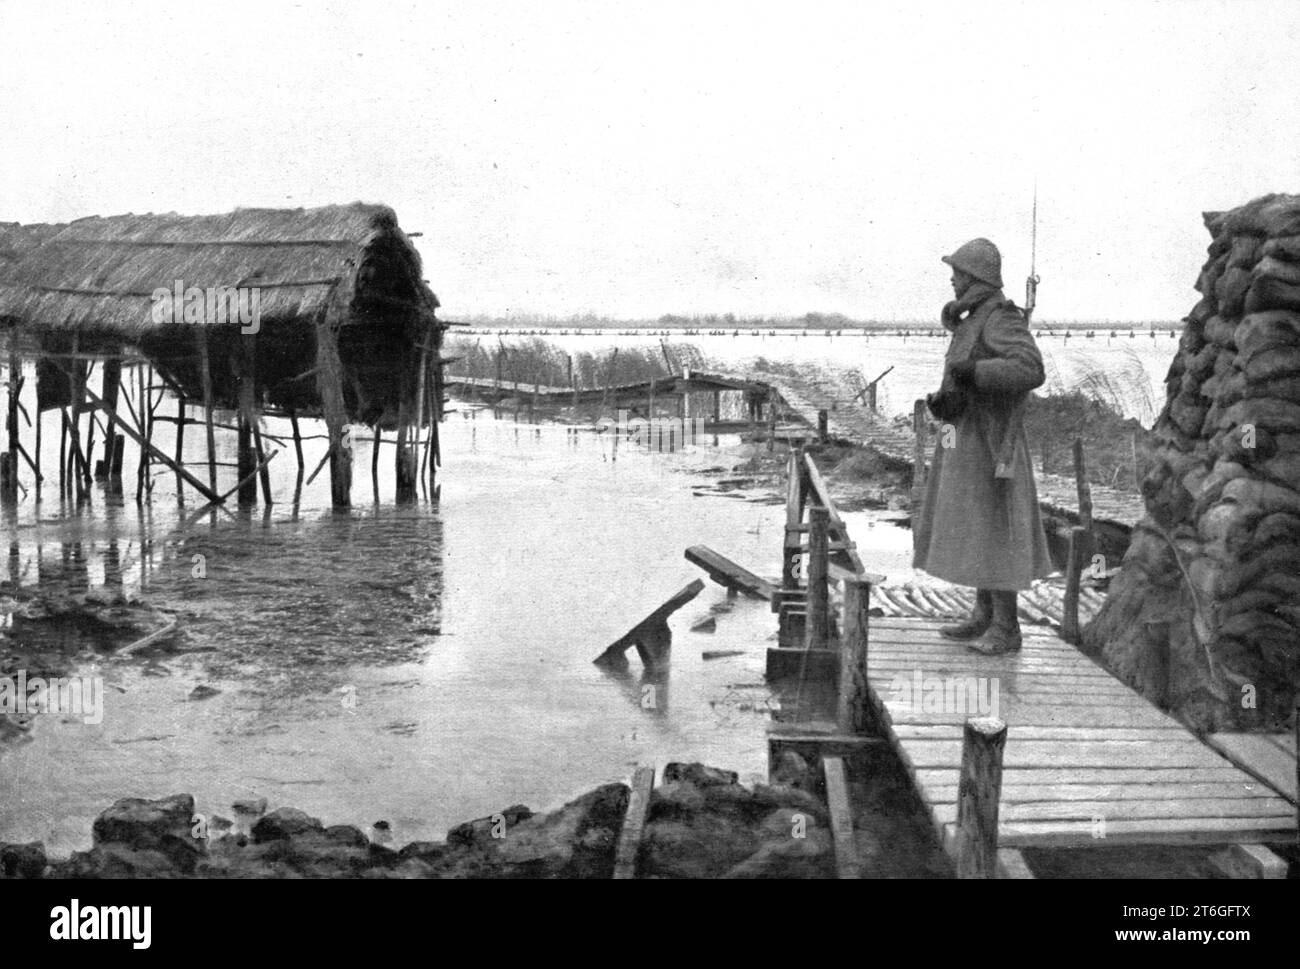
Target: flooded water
x=425, y=664
x=431, y=663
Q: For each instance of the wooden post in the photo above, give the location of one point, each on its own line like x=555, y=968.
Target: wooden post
x=1085, y=492
x=629, y=839
x=978, y=791
x=823, y=426
x=871, y=397
x=37, y=419
x=180, y=440
x=63, y=453
x=9, y=484
x=111, y=385
x=329, y=381
x=717, y=406
x=297, y=441
x=1137, y=473
x=246, y=459
x=572, y=385
x=147, y=446
x=853, y=715
x=918, y=458
x=1073, y=573
x=818, y=624
x=205, y=374
x=263, y=471
x=374, y=463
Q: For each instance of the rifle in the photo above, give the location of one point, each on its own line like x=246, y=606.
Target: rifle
x=1006, y=452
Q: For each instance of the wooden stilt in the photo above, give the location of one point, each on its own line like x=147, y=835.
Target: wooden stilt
x=205, y=375
x=145, y=445
x=242, y=364
x=263, y=473
x=9, y=480
x=63, y=453
x=297, y=441
x=180, y=443
x=39, y=477
x=374, y=463
x=329, y=381
x=111, y=383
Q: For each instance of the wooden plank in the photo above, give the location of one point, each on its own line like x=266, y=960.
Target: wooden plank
x=1012, y=864
x=1064, y=834
x=629, y=839
x=1254, y=754
x=1039, y=776
x=651, y=635
x=1015, y=792
x=1250, y=861
x=1129, y=810
x=727, y=573
x=1066, y=753
x=837, y=801
x=906, y=731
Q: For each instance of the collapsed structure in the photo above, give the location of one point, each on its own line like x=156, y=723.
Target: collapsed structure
x=328, y=316
x=1205, y=614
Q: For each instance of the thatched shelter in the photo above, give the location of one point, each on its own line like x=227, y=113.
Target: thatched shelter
x=302, y=311
x=97, y=279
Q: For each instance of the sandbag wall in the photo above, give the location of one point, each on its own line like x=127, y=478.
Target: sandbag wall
x=1205, y=614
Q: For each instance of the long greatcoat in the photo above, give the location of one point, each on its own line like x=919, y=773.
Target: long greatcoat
x=976, y=529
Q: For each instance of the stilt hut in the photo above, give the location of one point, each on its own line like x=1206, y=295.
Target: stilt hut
x=294, y=312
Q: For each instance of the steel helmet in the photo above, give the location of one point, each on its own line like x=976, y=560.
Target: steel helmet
x=981, y=259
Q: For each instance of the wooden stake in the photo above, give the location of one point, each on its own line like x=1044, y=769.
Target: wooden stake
x=854, y=713
x=1085, y=492
x=1073, y=576
x=263, y=473
x=817, y=630
x=374, y=463
x=180, y=442
x=979, y=790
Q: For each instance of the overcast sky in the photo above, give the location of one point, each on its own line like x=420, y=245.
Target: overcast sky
x=635, y=159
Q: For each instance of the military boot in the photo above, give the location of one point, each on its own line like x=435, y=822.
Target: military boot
x=978, y=623
x=1003, y=635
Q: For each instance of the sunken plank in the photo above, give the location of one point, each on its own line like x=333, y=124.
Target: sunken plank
x=727, y=573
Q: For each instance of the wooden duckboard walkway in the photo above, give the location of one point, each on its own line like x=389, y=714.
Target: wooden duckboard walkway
x=1088, y=761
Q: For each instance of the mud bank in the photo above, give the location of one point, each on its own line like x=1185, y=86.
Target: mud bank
x=701, y=824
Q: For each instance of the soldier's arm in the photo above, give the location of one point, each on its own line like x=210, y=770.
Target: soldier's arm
x=1015, y=365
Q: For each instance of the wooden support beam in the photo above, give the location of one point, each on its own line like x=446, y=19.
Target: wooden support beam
x=117, y=421
x=854, y=712
x=205, y=375
x=1073, y=576
x=978, y=793
x=651, y=636
x=297, y=441
x=1085, y=490
x=374, y=463
x=263, y=473
x=817, y=631
x=629, y=838
x=329, y=381
x=840, y=809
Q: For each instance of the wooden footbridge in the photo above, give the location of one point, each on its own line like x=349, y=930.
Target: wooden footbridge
x=1040, y=748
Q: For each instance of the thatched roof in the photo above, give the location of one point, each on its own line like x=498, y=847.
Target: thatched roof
x=16, y=240
x=100, y=274
x=94, y=281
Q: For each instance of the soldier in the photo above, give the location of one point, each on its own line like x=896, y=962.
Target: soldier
x=979, y=525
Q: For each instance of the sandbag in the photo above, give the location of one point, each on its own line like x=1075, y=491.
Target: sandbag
x=1280, y=527
x=1219, y=331
x=1283, y=361
x=1277, y=269
x=1266, y=331
x=1264, y=495
x=1271, y=293
x=1283, y=247
x=1230, y=290
x=1244, y=252
x=1269, y=412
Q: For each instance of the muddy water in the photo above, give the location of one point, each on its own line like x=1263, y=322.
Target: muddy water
x=423, y=665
